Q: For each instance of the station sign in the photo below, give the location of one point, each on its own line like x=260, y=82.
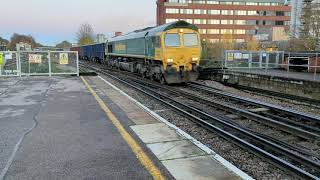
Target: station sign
x=63, y=58
x=245, y=56
x=35, y=58
x=237, y=55
x=8, y=55
x=1, y=58
x=230, y=57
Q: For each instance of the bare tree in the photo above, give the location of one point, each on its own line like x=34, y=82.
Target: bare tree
x=311, y=22
x=315, y=23
x=85, y=34
x=17, y=38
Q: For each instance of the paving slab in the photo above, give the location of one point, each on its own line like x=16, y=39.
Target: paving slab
x=200, y=168
x=141, y=118
x=175, y=150
x=153, y=133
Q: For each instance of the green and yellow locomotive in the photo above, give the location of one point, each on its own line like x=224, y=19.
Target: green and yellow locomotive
x=169, y=53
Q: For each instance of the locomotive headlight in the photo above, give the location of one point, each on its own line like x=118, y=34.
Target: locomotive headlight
x=169, y=60
x=195, y=59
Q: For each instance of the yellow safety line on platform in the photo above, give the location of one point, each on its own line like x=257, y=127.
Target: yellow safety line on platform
x=136, y=148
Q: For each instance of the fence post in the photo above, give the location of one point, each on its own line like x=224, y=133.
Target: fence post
x=49, y=60
x=1, y=68
x=316, y=67
x=225, y=58
x=77, y=63
x=19, y=62
x=267, y=61
x=29, y=65
x=260, y=59
x=288, y=70
x=277, y=60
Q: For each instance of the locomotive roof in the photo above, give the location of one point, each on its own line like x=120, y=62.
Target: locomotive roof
x=151, y=31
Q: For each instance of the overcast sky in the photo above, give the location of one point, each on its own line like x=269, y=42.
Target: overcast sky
x=52, y=21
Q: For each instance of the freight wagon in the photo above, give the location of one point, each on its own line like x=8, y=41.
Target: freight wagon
x=93, y=52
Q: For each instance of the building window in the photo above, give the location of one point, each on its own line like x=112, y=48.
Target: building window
x=200, y=11
x=239, y=40
x=252, y=13
x=214, y=21
x=214, y=40
x=185, y=1
x=188, y=20
x=225, y=2
x=173, y=1
x=270, y=23
x=172, y=11
x=239, y=3
x=240, y=12
x=186, y=11
x=226, y=21
x=279, y=23
x=213, y=31
x=214, y=12
x=226, y=31
x=264, y=4
x=240, y=22
x=202, y=31
x=212, y=2
x=226, y=12
x=251, y=32
x=171, y=20
x=200, y=21
x=239, y=31
x=199, y=2
x=279, y=13
x=252, y=3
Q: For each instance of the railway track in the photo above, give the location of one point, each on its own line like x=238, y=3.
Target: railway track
x=278, y=95
x=283, y=157
x=289, y=116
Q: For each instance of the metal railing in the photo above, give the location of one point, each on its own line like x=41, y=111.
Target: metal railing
x=290, y=65
x=39, y=63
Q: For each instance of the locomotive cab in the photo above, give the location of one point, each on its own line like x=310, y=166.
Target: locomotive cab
x=181, y=55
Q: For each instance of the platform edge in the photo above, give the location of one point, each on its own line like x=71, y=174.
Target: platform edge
x=203, y=147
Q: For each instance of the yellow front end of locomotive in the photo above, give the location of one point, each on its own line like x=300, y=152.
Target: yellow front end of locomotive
x=180, y=53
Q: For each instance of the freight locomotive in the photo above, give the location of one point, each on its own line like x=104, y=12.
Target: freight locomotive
x=168, y=53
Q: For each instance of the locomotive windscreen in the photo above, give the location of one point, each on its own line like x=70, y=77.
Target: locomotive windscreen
x=190, y=39
x=172, y=40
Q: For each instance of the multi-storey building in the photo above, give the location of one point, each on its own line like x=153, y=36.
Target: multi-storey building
x=215, y=18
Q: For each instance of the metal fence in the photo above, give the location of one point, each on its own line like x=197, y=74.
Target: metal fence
x=253, y=59
x=277, y=63
x=47, y=63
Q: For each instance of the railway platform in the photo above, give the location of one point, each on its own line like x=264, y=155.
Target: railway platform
x=294, y=83
x=86, y=128
x=280, y=73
